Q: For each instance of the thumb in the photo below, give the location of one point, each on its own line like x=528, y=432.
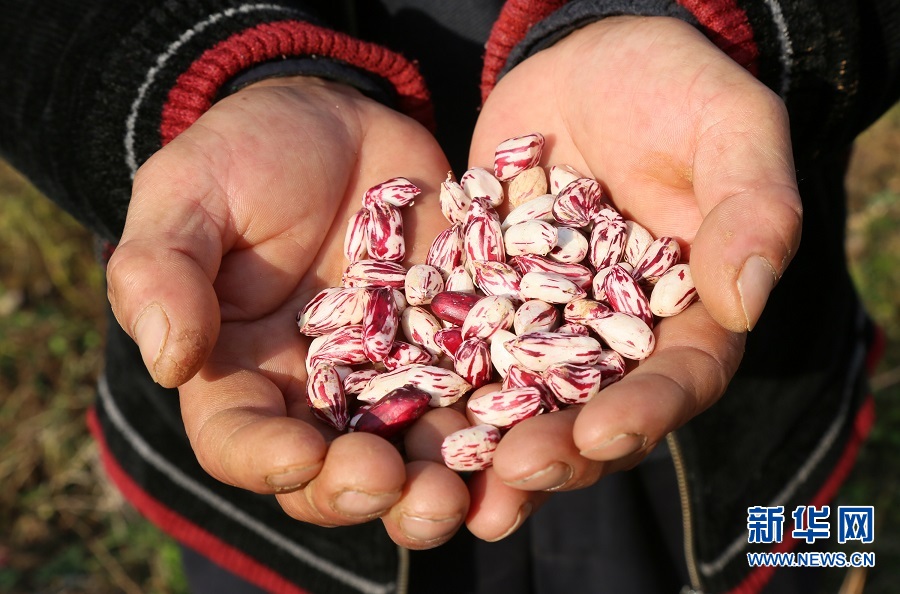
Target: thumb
x=160, y=276
x=747, y=191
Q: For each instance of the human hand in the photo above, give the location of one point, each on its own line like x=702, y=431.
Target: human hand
x=690, y=145
x=232, y=228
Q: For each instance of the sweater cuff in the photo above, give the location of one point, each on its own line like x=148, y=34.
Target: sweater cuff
x=525, y=27
x=373, y=87
x=347, y=60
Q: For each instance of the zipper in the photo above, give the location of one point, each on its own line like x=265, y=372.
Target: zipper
x=689, y=552
x=402, y=570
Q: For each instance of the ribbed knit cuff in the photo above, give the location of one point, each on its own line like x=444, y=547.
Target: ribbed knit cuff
x=527, y=26
x=196, y=89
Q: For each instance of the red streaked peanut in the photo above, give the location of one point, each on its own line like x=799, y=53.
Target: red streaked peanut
x=583, y=311
x=384, y=231
x=330, y=309
x=612, y=366
x=454, y=201
x=661, y=255
x=501, y=358
x=325, y=395
x=627, y=335
x=419, y=328
x=574, y=328
x=397, y=191
x=392, y=414
x=344, y=346
x=374, y=273
x=404, y=354
x=529, y=184
x=571, y=246
x=624, y=294
x=515, y=155
x=447, y=251
x=561, y=176
x=573, y=384
x=578, y=274
x=530, y=237
x=422, y=283
x=518, y=376
x=478, y=182
x=482, y=236
x=358, y=379
x=472, y=361
x=539, y=208
x=453, y=306
x=471, y=448
x=444, y=386
x=578, y=203
x=460, y=281
x=505, y=408
x=540, y=350
x=380, y=323
x=497, y=278
x=637, y=240
x=673, y=292
x=535, y=316
x=356, y=238
x=489, y=314
x=449, y=339
x=550, y=287
x=607, y=238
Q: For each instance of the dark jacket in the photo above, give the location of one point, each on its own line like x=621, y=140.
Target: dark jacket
x=89, y=90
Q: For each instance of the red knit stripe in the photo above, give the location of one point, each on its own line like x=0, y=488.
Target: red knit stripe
x=727, y=25
x=183, y=529
x=516, y=18
x=865, y=418
x=723, y=21
x=196, y=88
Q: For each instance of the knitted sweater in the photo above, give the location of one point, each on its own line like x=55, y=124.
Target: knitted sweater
x=89, y=91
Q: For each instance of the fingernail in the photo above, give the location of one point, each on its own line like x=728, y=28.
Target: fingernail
x=150, y=332
x=523, y=514
x=289, y=480
x=427, y=529
x=552, y=477
x=359, y=504
x=754, y=284
x=617, y=447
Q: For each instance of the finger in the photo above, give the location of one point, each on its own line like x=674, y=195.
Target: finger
x=539, y=454
x=431, y=509
x=746, y=189
x=496, y=509
x=362, y=478
x=690, y=368
x=160, y=275
x=423, y=440
x=239, y=429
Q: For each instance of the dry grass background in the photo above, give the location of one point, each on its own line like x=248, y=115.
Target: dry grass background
x=63, y=529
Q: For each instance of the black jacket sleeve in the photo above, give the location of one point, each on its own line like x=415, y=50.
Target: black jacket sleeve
x=89, y=90
x=836, y=64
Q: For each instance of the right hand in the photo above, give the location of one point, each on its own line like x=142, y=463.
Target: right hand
x=232, y=228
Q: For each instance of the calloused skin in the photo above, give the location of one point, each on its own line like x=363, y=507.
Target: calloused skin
x=237, y=222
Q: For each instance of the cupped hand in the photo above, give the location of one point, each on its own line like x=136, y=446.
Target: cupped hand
x=690, y=145
x=232, y=228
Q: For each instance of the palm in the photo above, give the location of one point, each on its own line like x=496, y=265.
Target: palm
x=246, y=211
x=688, y=144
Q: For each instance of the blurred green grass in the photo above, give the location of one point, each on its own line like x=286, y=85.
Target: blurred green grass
x=64, y=528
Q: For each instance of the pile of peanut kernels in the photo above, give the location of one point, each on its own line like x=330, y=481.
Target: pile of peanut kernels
x=551, y=302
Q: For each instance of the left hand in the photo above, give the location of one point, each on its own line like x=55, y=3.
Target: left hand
x=690, y=145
